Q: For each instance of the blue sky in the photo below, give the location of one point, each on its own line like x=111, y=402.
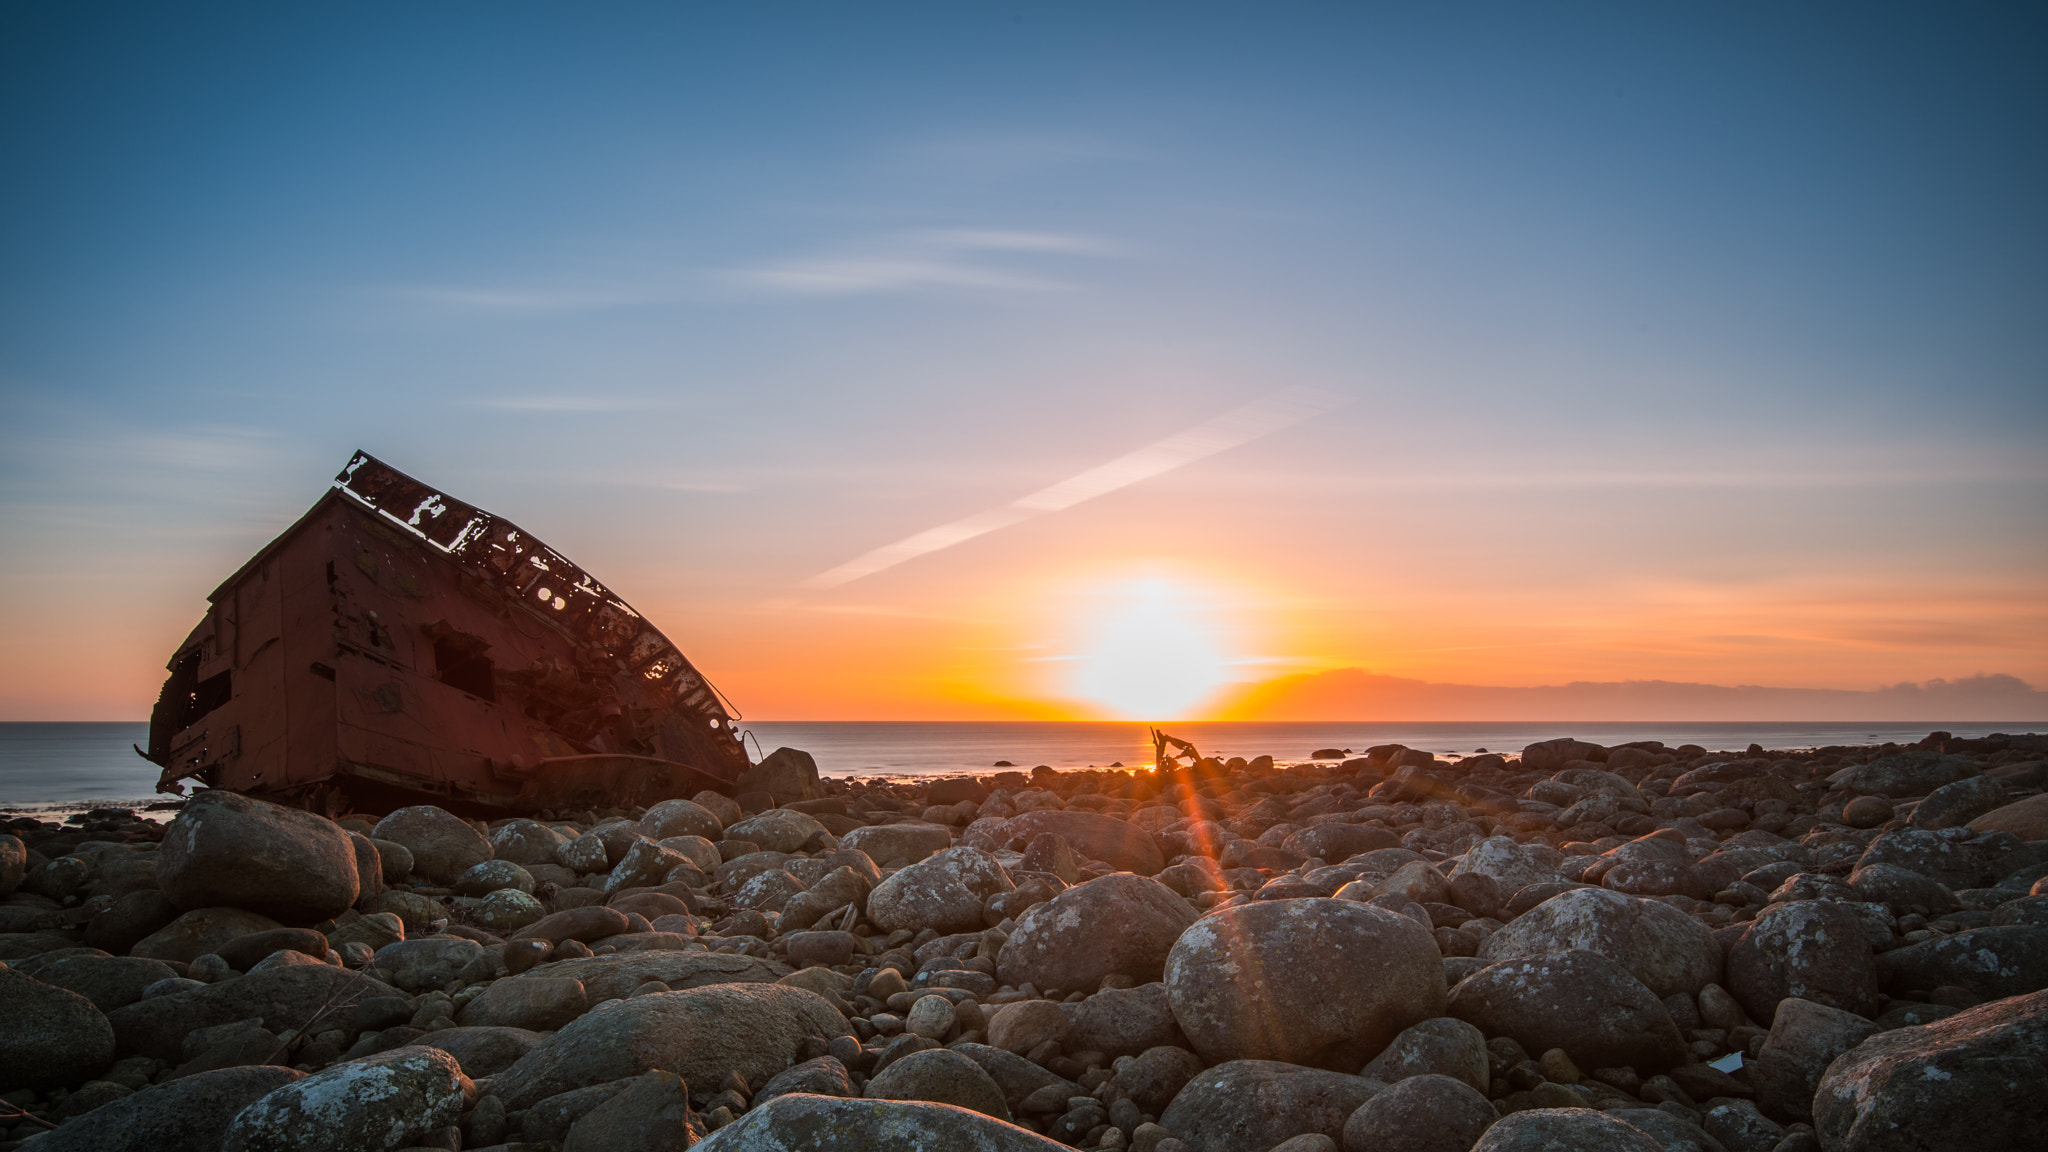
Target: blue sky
x=1701, y=344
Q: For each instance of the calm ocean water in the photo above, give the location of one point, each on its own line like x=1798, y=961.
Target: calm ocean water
x=52, y=765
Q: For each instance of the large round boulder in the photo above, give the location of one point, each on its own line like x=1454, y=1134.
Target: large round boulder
x=188, y=1114
x=941, y=1076
x=799, y=1120
x=777, y=830
x=1509, y=864
x=1815, y=950
x=1445, y=1046
x=701, y=1034
x=13, y=864
x=1805, y=1038
x=944, y=892
x=1119, y=843
x=1564, y=1130
x=384, y=1102
x=1581, y=1002
x=53, y=1037
x=1909, y=773
x=1319, y=982
x=1426, y=1113
x=1251, y=1105
x=910, y=842
x=1122, y=1021
x=526, y=842
x=199, y=932
x=1669, y=951
x=680, y=818
x=227, y=850
x=1970, y=1081
x=443, y=845
x=1119, y=924
x=1992, y=963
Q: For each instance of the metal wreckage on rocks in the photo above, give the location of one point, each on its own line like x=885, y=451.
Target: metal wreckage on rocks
x=399, y=646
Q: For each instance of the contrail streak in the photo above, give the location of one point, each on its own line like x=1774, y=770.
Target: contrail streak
x=1235, y=427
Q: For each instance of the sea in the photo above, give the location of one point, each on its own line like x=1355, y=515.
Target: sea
x=50, y=768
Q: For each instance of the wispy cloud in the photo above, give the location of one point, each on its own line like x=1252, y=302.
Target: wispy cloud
x=955, y=258
x=1235, y=427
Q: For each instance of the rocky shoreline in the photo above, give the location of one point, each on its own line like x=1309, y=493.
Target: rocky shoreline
x=1579, y=947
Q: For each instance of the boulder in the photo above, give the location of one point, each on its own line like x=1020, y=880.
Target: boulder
x=591, y=922
x=1813, y=950
x=1511, y=866
x=700, y=1034
x=788, y=774
x=110, y=982
x=536, y=1003
x=1156, y=1075
x=228, y=850
x=492, y=876
x=1805, y=1038
x=427, y=963
x=801, y=1121
x=615, y=977
x=1900, y=888
x=188, y=1114
x=199, y=932
x=394, y=858
x=940, y=1076
x=908, y=842
x=482, y=1051
x=245, y=952
x=53, y=1037
x=1251, y=1105
x=1122, y=1021
x=1119, y=924
x=652, y=1114
x=1582, y=1002
x=2026, y=819
x=1317, y=982
x=1955, y=857
x=1974, y=1079
x=680, y=818
x=1445, y=1046
x=1664, y=948
x=131, y=919
x=777, y=830
x=645, y=864
x=13, y=864
x=379, y=1103
x=1954, y=805
x=1424, y=1113
x=295, y=997
x=1021, y=1026
x=944, y=892
x=1993, y=963
x=1909, y=773
x=1118, y=843
x=837, y=889
x=1334, y=842
x=1018, y=1077
x=443, y=845
x=824, y=1076
x=1564, y=1130
x=526, y=842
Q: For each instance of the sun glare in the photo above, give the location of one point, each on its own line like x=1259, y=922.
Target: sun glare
x=1151, y=650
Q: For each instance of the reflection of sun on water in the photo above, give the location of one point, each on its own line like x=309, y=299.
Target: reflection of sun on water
x=1150, y=651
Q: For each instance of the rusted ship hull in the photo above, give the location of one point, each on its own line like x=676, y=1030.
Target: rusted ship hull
x=397, y=645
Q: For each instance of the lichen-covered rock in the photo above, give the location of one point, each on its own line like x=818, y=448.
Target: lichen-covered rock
x=1119, y=924
x=777, y=830
x=110, y=982
x=1444, y=1046
x=1909, y=773
x=492, y=875
x=537, y=1003
x=680, y=818
x=1426, y=1113
x=1669, y=951
x=483, y=1050
x=49, y=1036
x=1094, y=835
x=426, y=963
x=907, y=842
x=377, y=1104
x=944, y=892
x=1335, y=842
x=1814, y=950
x=13, y=864
x=788, y=774
x=509, y=909
x=526, y=842
x=700, y=1034
x=199, y=932
x=1900, y=888
x=282, y=998
x=1582, y=1002
x=228, y=850
x=824, y=1076
x=1122, y=1021
x=803, y=1123
x=614, y=977
x=1564, y=1130
x=941, y=1076
x=1956, y=857
x=1317, y=982
x=1994, y=962
x=443, y=845
x=1970, y=1081
x=187, y=1114
x=1509, y=864
x=653, y=1114
x=1805, y=1038
x=1251, y=1105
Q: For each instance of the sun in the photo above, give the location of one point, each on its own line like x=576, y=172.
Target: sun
x=1151, y=648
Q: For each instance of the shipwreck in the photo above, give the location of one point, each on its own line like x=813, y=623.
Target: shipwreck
x=398, y=646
